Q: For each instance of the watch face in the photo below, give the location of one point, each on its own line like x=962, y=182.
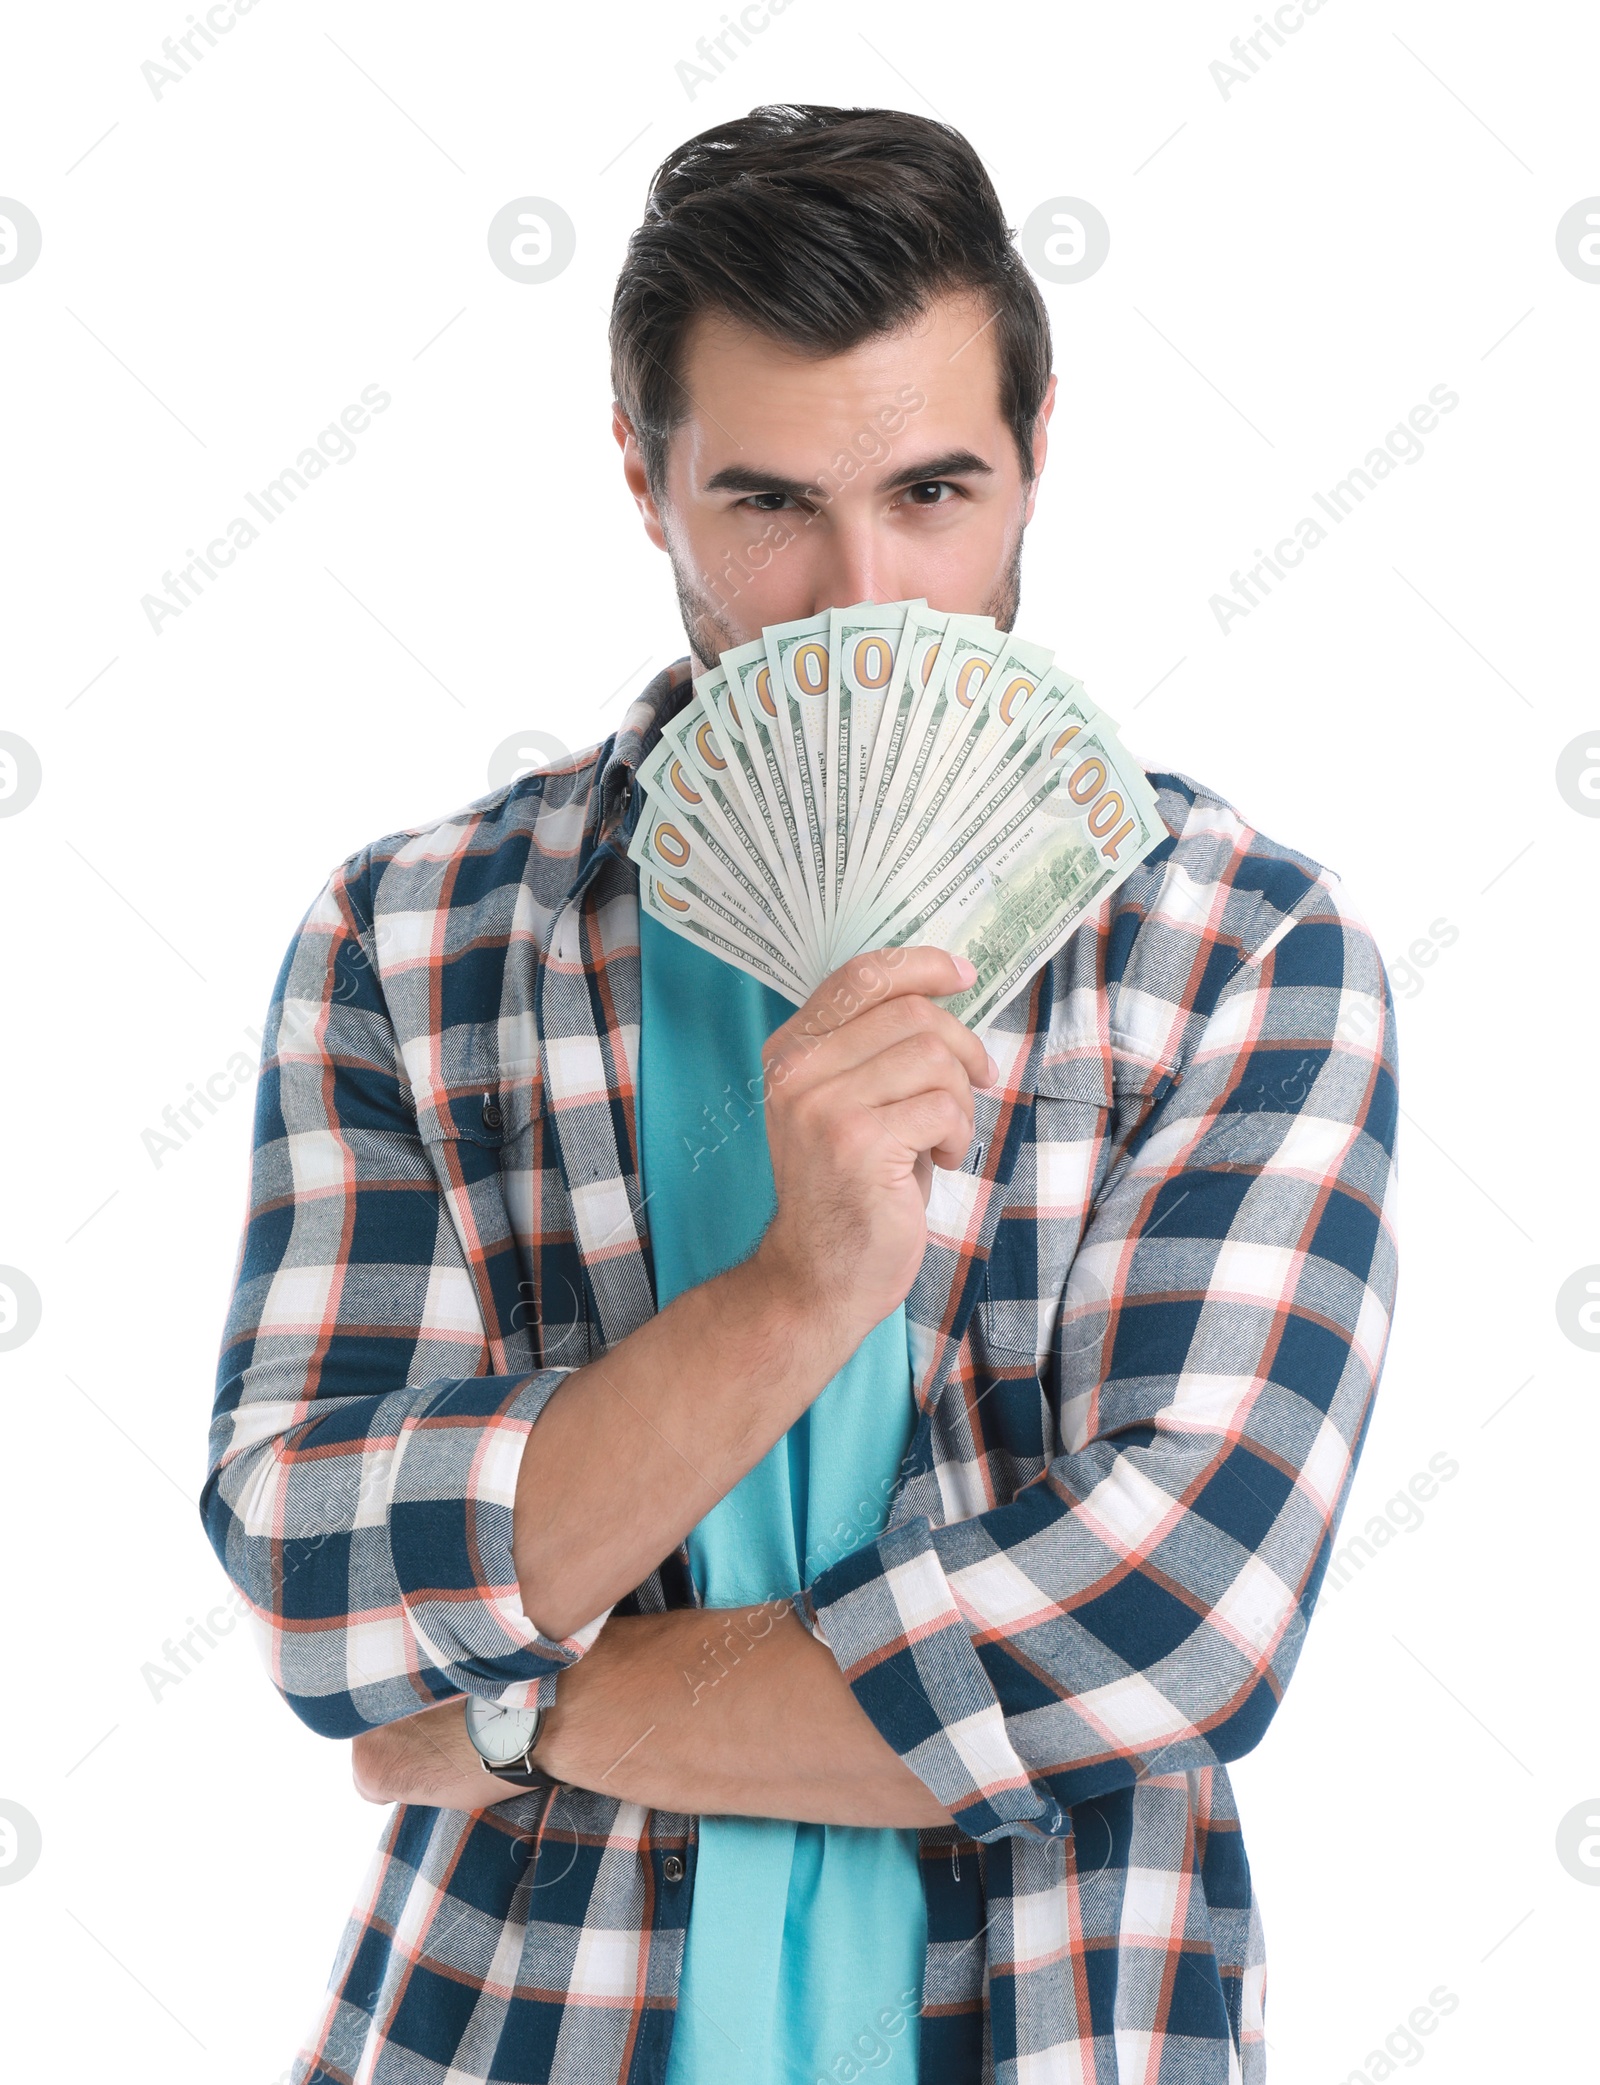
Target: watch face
x=500, y=1734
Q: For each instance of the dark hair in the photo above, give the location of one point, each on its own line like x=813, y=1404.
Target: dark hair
x=820, y=227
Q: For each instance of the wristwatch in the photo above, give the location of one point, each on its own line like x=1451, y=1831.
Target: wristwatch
x=504, y=1740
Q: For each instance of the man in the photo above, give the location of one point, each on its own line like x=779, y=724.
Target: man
x=1141, y=1233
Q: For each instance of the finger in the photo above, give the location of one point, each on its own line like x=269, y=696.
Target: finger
x=808, y=1055
x=885, y=973
x=931, y=1123
x=880, y=1027
x=916, y=1076
x=846, y=1115
x=922, y=1173
x=917, y=1064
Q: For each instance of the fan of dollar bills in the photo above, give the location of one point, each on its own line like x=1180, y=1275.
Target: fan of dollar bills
x=882, y=775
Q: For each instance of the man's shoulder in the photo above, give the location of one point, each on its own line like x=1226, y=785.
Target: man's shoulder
x=1255, y=883
x=527, y=834
x=518, y=847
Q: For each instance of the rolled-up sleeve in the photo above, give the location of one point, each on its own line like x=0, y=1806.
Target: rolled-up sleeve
x=362, y=1462
x=1140, y=1606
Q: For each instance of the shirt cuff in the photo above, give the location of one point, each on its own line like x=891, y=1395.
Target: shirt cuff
x=450, y=1506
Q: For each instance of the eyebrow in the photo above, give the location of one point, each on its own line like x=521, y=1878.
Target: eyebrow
x=954, y=463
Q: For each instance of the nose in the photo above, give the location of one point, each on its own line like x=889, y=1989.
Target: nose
x=855, y=568
x=852, y=576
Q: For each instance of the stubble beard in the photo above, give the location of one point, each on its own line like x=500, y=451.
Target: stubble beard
x=708, y=625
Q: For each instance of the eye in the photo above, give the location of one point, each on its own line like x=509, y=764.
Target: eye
x=937, y=486
x=765, y=502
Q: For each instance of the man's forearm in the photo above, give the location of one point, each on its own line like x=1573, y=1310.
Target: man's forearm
x=866, y=1089
x=736, y=1712
x=633, y=1450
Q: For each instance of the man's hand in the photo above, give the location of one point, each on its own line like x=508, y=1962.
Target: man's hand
x=427, y=1758
x=869, y=1087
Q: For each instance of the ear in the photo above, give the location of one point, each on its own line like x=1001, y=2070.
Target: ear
x=634, y=472
x=1041, y=444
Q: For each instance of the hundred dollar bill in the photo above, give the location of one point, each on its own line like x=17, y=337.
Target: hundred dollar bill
x=913, y=663
x=862, y=643
x=798, y=657
x=1022, y=814
x=1075, y=820
x=966, y=651
x=752, y=699
x=977, y=715
x=671, y=839
x=689, y=767
x=711, y=699
x=1014, y=931
x=914, y=660
x=1057, y=709
x=985, y=703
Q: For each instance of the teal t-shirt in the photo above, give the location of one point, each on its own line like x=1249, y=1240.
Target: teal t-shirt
x=805, y=1940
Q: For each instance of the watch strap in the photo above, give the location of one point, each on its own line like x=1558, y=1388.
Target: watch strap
x=524, y=1776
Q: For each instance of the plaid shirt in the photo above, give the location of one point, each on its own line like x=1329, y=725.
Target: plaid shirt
x=1146, y=1335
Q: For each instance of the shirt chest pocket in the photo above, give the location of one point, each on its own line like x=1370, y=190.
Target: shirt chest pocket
x=1038, y=1233
x=489, y=1146
x=463, y=1134
x=553, y=1305
x=1084, y=1107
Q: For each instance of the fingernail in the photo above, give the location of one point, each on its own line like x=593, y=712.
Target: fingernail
x=967, y=972
x=994, y=1072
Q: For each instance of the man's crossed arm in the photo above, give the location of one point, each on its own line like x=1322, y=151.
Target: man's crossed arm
x=776, y=1734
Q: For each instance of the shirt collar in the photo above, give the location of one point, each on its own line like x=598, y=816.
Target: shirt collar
x=641, y=726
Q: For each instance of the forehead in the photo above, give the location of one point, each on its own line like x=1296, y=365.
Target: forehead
x=752, y=398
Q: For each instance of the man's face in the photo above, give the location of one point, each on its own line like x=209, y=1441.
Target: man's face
x=796, y=483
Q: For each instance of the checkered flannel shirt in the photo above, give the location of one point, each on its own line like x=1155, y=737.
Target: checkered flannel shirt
x=1146, y=1337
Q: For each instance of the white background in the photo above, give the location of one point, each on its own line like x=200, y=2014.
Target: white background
x=1293, y=265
